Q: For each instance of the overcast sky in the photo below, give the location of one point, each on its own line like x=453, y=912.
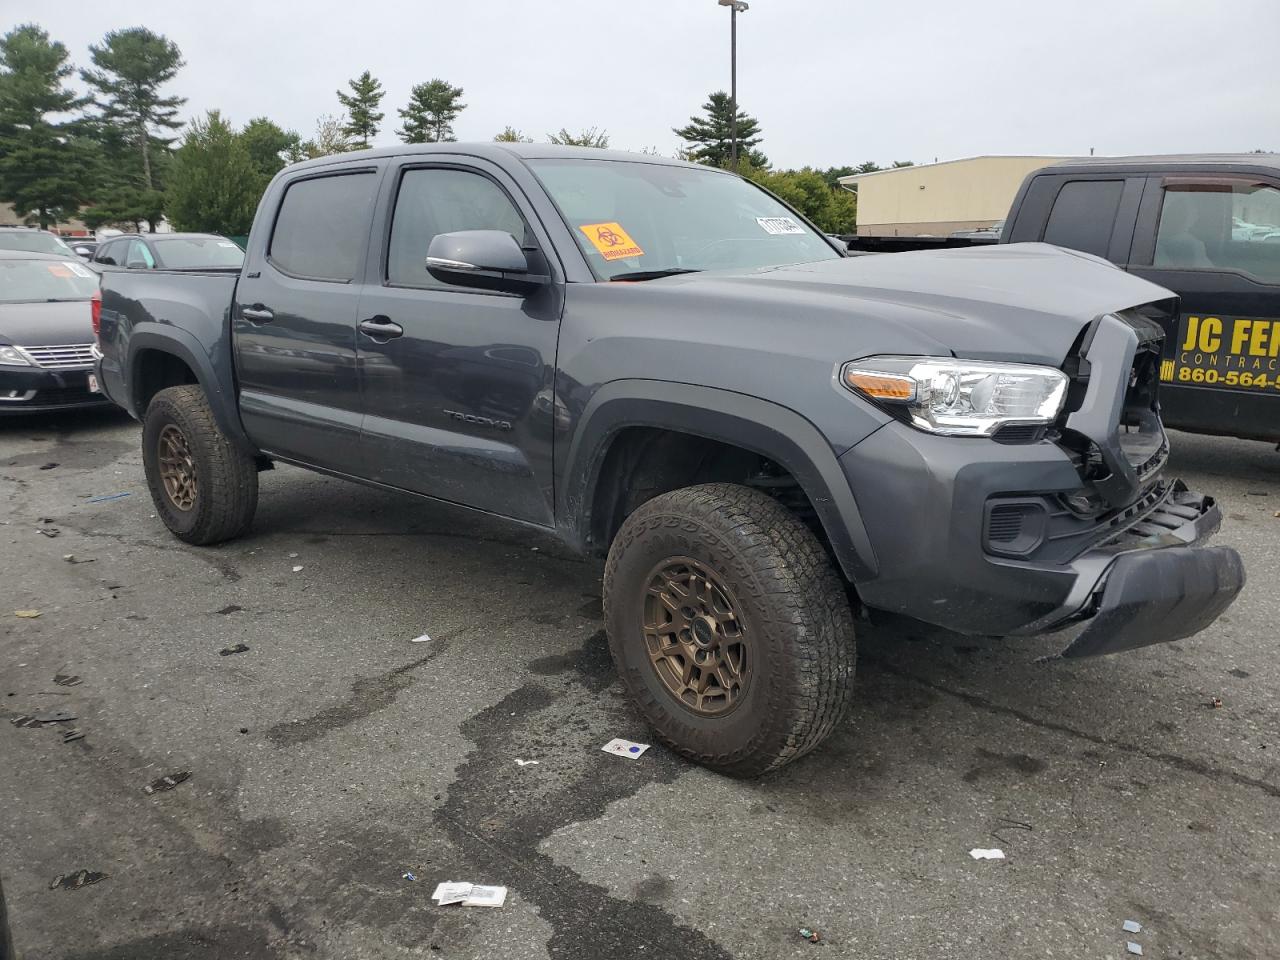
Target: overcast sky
x=832, y=82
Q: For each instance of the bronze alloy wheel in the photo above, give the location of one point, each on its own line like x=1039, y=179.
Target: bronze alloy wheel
x=695, y=637
x=177, y=470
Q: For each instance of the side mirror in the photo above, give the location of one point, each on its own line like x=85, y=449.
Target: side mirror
x=486, y=259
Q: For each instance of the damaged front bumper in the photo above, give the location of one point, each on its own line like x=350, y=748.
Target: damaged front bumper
x=1154, y=586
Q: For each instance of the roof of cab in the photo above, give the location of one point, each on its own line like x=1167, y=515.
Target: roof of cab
x=1269, y=162
x=496, y=151
x=30, y=255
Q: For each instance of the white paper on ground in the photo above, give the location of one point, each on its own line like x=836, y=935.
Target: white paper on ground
x=469, y=894
x=979, y=854
x=1132, y=926
x=625, y=748
x=422, y=639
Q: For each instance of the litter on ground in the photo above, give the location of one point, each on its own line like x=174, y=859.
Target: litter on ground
x=525, y=763
x=1134, y=948
x=26, y=614
x=167, y=782
x=813, y=936
x=1132, y=926
x=72, y=558
x=408, y=875
x=74, y=881
x=625, y=748
x=993, y=854
x=49, y=532
x=61, y=715
x=422, y=639
x=105, y=497
x=297, y=569
x=70, y=735
x=469, y=894
x=238, y=648
x=67, y=680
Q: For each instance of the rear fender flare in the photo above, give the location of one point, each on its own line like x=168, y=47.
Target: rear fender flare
x=187, y=348
x=760, y=426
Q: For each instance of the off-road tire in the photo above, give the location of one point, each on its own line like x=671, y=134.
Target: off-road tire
x=797, y=618
x=226, y=477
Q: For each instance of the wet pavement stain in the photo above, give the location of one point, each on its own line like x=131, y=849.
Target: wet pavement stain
x=592, y=663
x=500, y=838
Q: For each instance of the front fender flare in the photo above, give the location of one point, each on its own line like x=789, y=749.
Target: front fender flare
x=766, y=428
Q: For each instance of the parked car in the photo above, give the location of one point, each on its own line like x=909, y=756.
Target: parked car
x=170, y=251
x=46, y=333
x=32, y=240
x=84, y=249
x=667, y=366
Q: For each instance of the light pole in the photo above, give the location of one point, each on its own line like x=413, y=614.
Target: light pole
x=735, y=7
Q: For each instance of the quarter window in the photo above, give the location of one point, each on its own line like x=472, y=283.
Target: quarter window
x=1231, y=225
x=323, y=227
x=1084, y=214
x=438, y=200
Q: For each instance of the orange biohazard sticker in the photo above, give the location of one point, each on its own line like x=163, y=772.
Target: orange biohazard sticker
x=611, y=240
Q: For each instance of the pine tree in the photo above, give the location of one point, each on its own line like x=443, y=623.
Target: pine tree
x=361, y=104
x=132, y=65
x=214, y=185
x=429, y=115
x=44, y=169
x=711, y=136
x=269, y=146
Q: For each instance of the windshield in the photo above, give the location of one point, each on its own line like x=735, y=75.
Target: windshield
x=641, y=218
x=35, y=241
x=198, y=253
x=25, y=281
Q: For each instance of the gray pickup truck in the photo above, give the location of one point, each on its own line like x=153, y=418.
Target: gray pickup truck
x=666, y=365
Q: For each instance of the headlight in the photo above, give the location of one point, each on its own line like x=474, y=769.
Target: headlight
x=13, y=356
x=961, y=398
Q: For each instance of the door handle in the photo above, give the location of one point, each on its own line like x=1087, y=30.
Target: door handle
x=380, y=328
x=257, y=313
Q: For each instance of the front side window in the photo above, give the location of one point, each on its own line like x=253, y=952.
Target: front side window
x=39, y=281
x=198, y=253
x=1084, y=214
x=438, y=200
x=630, y=217
x=1226, y=224
x=323, y=227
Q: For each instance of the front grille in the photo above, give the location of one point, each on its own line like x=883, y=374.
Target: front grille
x=66, y=357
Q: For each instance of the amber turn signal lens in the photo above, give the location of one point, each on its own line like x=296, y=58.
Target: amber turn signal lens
x=881, y=386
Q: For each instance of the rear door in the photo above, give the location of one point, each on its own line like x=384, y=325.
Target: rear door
x=457, y=381
x=1093, y=213
x=294, y=317
x=1215, y=241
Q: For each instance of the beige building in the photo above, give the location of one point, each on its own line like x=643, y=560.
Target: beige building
x=936, y=199
x=71, y=228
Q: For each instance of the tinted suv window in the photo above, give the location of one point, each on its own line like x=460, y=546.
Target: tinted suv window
x=443, y=201
x=323, y=226
x=1220, y=225
x=1084, y=215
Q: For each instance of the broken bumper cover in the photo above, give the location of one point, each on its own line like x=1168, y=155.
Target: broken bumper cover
x=1165, y=589
x=1159, y=595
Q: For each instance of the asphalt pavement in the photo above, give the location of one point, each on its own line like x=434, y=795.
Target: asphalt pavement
x=333, y=756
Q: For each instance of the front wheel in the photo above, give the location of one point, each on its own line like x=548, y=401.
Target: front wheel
x=204, y=487
x=729, y=627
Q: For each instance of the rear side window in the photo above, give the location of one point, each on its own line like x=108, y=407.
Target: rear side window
x=323, y=226
x=1084, y=215
x=1230, y=225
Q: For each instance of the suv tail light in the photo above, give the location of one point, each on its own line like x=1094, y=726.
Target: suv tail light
x=95, y=312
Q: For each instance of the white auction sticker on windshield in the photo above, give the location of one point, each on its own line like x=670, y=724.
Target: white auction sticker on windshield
x=779, y=225
x=78, y=269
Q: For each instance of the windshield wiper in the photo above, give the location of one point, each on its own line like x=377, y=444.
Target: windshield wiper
x=651, y=274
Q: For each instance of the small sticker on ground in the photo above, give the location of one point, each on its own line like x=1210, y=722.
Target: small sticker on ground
x=779, y=225
x=625, y=748
x=611, y=240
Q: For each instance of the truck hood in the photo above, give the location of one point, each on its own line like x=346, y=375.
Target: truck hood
x=1021, y=302
x=45, y=324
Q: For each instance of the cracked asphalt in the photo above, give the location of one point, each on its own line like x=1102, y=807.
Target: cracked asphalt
x=334, y=755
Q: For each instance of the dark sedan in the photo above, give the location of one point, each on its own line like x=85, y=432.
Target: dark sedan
x=169, y=251
x=46, y=333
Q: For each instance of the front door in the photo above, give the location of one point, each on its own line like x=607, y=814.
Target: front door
x=457, y=382
x=1215, y=241
x=295, y=320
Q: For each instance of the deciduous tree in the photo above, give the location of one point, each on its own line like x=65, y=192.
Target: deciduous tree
x=361, y=104
x=429, y=115
x=512, y=135
x=44, y=167
x=588, y=137
x=269, y=146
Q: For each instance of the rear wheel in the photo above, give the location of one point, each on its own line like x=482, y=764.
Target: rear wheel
x=729, y=627
x=204, y=487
